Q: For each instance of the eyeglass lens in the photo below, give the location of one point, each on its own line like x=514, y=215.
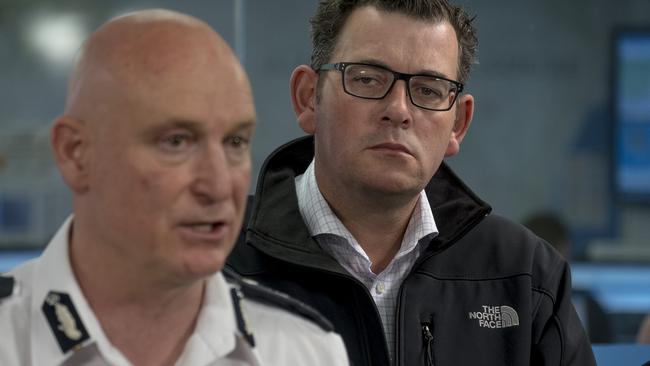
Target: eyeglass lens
x=368, y=81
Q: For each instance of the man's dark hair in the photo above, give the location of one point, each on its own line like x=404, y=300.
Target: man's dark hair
x=332, y=14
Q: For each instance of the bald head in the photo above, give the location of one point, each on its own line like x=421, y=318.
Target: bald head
x=146, y=67
x=144, y=51
x=155, y=139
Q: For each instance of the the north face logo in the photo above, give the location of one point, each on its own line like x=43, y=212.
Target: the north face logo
x=496, y=317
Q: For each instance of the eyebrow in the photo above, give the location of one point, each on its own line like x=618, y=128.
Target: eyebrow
x=180, y=123
x=376, y=62
x=172, y=123
x=195, y=126
x=248, y=124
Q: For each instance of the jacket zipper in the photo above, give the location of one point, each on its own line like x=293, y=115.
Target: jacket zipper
x=428, y=343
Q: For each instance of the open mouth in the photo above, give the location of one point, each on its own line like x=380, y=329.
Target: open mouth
x=204, y=228
x=205, y=231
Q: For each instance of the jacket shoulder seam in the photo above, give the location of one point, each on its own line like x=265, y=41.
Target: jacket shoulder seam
x=254, y=291
x=545, y=292
x=558, y=325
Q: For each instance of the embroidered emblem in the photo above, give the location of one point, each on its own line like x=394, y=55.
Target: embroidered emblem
x=67, y=323
x=495, y=317
x=64, y=321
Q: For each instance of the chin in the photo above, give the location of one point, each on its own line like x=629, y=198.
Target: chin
x=204, y=266
x=393, y=183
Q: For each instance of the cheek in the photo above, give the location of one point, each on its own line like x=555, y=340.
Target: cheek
x=339, y=115
x=242, y=181
x=152, y=180
x=436, y=131
x=338, y=130
x=153, y=188
x=241, y=185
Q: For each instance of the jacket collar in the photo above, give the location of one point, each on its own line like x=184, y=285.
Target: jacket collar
x=277, y=228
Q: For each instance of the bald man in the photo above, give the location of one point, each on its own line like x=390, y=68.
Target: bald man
x=154, y=144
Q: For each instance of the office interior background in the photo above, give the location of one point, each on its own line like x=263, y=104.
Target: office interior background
x=562, y=121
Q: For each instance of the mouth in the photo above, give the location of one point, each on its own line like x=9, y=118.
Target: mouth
x=391, y=147
x=210, y=231
x=204, y=228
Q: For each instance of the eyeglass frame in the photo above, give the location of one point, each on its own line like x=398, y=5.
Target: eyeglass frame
x=341, y=66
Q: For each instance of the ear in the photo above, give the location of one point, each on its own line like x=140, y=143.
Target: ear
x=464, y=114
x=69, y=144
x=303, y=97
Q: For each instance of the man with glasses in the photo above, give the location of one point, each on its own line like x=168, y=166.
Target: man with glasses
x=364, y=221
x=368, y=81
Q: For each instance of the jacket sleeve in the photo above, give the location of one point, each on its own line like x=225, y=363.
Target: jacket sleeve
x=559, y=338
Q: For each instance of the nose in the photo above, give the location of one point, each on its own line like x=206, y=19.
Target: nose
x=212, y=176
x=398, y=105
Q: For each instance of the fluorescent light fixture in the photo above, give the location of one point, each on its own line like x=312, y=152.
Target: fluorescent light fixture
x=56, y=37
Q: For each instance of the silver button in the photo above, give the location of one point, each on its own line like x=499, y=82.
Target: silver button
x=380, y=287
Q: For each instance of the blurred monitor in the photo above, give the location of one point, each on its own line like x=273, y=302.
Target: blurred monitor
x=622, y=354
x=631, y=114
x=611, y=299
x=617, y=287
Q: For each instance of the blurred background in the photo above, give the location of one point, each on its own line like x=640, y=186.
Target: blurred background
x=560, y=139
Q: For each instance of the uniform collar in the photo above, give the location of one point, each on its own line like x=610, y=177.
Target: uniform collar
x=53, y=273
x=216, y=333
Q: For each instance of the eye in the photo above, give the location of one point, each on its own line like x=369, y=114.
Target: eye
x=426, y=91
x=237, y=148
x=178, y=141
x=238, y=142
x=364, y=79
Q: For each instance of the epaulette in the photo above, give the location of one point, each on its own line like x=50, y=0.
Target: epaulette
x=64, y=321
x=6, y=286
x=257, y=292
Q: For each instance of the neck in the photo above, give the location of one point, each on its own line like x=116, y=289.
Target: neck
x=161, y=316
x=377, y=223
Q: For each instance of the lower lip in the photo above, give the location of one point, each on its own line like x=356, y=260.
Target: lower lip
x=391, y=151
x=217, y=233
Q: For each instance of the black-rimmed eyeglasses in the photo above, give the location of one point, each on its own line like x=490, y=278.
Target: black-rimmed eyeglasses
x=368, y=81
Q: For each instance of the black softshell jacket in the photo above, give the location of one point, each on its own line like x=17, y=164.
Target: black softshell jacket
x=485, y=292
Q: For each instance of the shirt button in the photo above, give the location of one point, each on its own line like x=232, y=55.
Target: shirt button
x=379, y=289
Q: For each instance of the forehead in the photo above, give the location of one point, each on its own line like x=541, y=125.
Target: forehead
x=217, y=101
x=401, y=42
x=209, y=90
x=168, y=71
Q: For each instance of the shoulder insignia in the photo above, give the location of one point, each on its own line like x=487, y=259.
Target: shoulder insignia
x=6, y=286
x=257, y=292
x=64, y=321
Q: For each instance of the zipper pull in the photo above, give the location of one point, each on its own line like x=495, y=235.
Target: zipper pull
x=428, y=344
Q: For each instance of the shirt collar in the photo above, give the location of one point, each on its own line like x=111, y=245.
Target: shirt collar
x=53, y=272
x=320, y=219
x=315, y=210
x=216, y=333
